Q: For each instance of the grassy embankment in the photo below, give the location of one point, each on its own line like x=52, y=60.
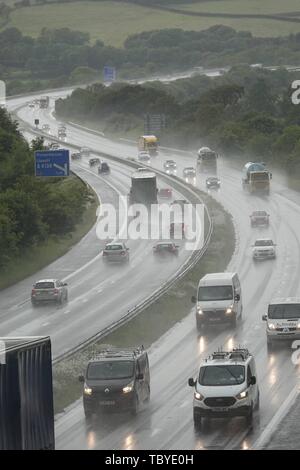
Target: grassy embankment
x=45, y=253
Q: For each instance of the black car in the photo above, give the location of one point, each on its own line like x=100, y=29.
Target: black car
x=103, y=169
x=94, y=161
x=213, y=182
x=116, y=380
x=164, y=248
x=75, y=156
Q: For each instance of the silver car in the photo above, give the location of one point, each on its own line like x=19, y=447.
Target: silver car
x=116, y=252
x=49, y=290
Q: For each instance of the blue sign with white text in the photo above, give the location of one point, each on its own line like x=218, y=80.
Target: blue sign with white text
x=52, y=163
x=109, y=74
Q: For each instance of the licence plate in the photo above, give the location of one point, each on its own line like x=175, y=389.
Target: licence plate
x=107, y=402
x=215, y=319
x=220, y=408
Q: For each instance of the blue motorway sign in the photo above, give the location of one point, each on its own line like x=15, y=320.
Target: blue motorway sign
x=109, y=74
x=52, y=163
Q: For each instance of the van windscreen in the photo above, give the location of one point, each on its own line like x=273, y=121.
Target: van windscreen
x=282, y=311
x=222, y=375
x=215, y=293
x=107, y=370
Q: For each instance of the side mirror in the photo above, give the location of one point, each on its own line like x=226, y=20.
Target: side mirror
x=193, y=299
x=253, y=380
x=237, y=297
x=81, y=378
x=140, y=377
x=65, y=283
x=264, y=318
x=191, y=382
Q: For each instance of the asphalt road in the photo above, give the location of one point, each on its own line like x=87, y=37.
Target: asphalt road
x=167, y=422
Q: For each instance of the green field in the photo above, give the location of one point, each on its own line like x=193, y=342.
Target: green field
x=113, y=22
x=262, y=7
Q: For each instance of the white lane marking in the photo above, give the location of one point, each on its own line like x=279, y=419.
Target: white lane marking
x=84, y=300
x=99, y=290
x=66, y=312
x=184, y=404
x=271, y=427
x=45, y=324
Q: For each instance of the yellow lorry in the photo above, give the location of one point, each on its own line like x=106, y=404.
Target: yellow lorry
x=148, y=143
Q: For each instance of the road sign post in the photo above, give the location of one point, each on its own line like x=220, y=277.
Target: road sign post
x=109, y=74
x=52, y=163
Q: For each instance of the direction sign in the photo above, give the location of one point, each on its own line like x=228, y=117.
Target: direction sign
x=52, y=163
x=109, y=74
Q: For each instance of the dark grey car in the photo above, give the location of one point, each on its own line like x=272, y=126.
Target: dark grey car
x=49, y=290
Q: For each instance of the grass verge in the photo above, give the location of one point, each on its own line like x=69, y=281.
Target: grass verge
x=159, y=317
x=45, y=253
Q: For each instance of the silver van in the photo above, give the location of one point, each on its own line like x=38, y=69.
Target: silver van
x=219, y=300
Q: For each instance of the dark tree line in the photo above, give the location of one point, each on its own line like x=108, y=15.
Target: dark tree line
x=246, y=113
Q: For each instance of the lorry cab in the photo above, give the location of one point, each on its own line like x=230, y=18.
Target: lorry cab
x=219, y=300
x=148, y=143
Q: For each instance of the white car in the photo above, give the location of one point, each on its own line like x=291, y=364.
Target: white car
x=226, y=386
x=189, y=172
x=264, y=248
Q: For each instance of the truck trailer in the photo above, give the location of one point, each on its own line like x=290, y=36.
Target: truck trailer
x=143, y=188
x=26, y=394
x=256, y=178
x=148, y=143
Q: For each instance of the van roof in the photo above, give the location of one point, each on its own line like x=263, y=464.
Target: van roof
x=217, y=279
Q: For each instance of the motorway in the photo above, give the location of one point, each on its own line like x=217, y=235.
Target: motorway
x=167, y=422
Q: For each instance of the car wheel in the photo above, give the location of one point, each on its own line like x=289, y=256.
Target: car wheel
x=66, y=297
x=197, y=421
x=270, y=345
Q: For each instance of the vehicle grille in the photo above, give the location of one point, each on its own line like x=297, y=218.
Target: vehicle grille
x=219, y=401
x=214, y=313
x=289, y=329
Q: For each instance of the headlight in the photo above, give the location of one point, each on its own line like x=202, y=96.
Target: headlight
x=128, y=388
x=198, y=396
x=271, y=326
x=87, y=390
x=242, y=395
x=199, y=311
x=229, y=310
x=298, y=326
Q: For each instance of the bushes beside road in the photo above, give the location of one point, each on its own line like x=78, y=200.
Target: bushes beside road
x=32, y=210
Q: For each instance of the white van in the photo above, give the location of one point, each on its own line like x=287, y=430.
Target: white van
x=219, y=300
x=226, y=386
x=282, y=320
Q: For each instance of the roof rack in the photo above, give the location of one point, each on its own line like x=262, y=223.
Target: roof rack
x=119, y=352
x=236, y=354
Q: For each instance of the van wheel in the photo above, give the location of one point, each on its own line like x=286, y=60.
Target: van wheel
x=88, y=415
x=200, y=326
x=197, y=421
x=257, y=402
x=135, y=408
x=249, y=417
x=270, y=345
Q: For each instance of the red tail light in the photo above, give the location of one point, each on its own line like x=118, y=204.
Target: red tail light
x=33, y=292
x=55, y=291
x=123, y=252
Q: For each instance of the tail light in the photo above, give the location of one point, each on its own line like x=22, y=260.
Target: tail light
x=123, y=252
x=55, y=291
x=104, y=253
x=33, y=292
